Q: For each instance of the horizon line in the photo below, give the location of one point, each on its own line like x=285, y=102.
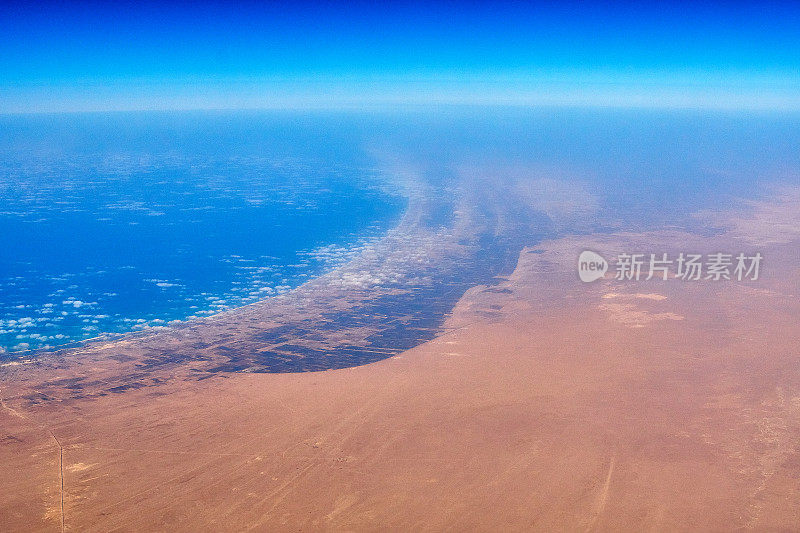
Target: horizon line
x=701, y=90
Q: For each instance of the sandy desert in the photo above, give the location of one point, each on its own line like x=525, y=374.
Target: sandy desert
x=542, y=404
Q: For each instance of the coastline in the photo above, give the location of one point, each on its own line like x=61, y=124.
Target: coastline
x=594, y=391
x=396, y=294
x=360, y=243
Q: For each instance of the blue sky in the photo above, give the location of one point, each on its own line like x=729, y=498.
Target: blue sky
x=82, y=56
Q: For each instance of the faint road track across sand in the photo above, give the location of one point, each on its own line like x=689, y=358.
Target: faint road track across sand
x=17, y=414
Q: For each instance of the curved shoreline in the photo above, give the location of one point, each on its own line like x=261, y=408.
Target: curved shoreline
x=396, y=294
x=361, y=241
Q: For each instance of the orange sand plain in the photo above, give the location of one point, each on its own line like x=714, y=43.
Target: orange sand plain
x=554, y=405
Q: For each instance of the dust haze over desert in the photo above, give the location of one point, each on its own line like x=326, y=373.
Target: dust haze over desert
x=419, y=282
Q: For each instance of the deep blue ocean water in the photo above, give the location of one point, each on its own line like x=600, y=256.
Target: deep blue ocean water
x=103, y=231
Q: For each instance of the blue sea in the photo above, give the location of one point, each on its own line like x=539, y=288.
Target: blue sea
x=111, y=223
